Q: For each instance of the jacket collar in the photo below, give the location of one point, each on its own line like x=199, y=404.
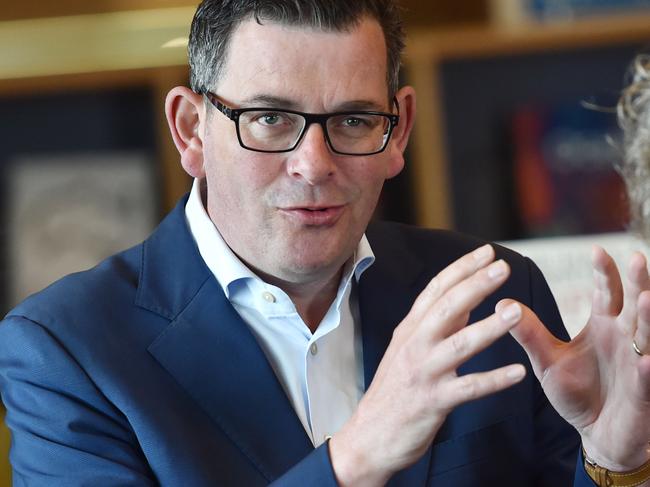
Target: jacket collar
x=386, y=292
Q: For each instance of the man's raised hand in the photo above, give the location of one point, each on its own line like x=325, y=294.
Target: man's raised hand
x=416, y=385
x=598, y=382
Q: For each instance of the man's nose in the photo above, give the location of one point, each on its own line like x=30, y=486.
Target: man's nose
x=312, y=160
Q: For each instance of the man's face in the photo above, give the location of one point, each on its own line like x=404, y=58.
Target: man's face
x=297, y=216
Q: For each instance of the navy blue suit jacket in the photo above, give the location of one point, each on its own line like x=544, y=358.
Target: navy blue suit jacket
x=140, y=372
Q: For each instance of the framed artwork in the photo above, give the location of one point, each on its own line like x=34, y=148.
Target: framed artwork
x=65, y=213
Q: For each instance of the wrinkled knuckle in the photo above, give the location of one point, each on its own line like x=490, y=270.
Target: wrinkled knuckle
x=468, y=388
x=459, y=344
x=442, y=309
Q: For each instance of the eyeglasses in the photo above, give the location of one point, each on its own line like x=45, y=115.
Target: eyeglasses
x=354, y=133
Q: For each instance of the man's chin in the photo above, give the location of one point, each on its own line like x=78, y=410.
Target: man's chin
x=311, y=267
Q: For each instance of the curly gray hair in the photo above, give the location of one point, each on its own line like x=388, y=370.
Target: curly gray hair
x=634, y=118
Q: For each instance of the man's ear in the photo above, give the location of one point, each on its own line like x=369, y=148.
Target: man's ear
x=185, y=111
x=400, y=137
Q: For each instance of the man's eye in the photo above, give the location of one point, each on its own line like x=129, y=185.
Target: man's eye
x=269, y=118
x=352, y=122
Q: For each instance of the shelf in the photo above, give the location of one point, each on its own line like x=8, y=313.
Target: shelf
x=486, y=41
x=94, y=43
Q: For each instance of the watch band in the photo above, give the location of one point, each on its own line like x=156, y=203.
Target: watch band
x=608, y=478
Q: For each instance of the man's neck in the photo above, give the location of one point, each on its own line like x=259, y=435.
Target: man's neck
x=311, y=299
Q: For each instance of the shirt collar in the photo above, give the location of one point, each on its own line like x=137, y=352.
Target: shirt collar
x=222, y=261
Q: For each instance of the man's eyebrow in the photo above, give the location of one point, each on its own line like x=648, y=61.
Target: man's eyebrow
x=361, y=105
x=271, y=101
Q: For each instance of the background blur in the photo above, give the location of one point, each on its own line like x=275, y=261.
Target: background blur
x=515, y=137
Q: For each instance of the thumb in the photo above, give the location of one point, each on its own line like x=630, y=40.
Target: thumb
x=539, y=344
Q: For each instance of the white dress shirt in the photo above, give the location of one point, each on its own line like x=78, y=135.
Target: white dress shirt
x=322, y=373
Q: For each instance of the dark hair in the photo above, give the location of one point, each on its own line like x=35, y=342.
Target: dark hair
x=215, y=21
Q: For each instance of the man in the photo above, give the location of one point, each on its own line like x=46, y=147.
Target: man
x=266, y=334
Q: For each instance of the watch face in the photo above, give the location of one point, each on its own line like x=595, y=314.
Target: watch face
x=68, y=213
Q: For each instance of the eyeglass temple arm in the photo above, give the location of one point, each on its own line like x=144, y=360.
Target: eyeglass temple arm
x=227, y=111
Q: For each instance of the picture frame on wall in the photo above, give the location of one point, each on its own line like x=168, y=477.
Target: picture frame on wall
x=67, y=212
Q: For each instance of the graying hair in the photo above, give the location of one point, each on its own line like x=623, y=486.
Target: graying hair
x=216, y=20
x=634, y=118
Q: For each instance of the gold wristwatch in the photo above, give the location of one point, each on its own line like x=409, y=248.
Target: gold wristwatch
x=608, y=478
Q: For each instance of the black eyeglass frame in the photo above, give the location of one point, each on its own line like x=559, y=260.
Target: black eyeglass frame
x=310, y=118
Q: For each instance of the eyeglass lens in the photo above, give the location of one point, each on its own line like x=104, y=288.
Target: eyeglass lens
x=349, y=133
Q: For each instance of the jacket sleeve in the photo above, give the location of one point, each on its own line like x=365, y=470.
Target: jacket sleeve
x=64, y=430
x=315, y=470
x=582, y=479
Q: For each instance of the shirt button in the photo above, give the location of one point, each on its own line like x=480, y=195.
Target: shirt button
x=313, y=349
x=268, y=297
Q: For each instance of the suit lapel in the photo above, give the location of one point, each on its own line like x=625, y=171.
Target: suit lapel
x=213, y=355
x=387, y=291
x=386, y=294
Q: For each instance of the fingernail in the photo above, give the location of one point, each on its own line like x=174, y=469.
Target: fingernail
x=497, y=269
x=516, y=372
x=511, y=313
x=482, y=253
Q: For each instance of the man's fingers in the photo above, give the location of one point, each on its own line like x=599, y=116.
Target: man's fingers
x=637, y=281
x=642, y=333
x=451, y=275
x=459, y=390
x=644, y=377
x=540, y=345
x=637, y=272
x=456, y=349
x=450, y=312
x=607, y=299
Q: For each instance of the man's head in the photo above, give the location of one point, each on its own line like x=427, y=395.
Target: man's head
x=634, y=118
x=216, y=20
x=294, y=216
